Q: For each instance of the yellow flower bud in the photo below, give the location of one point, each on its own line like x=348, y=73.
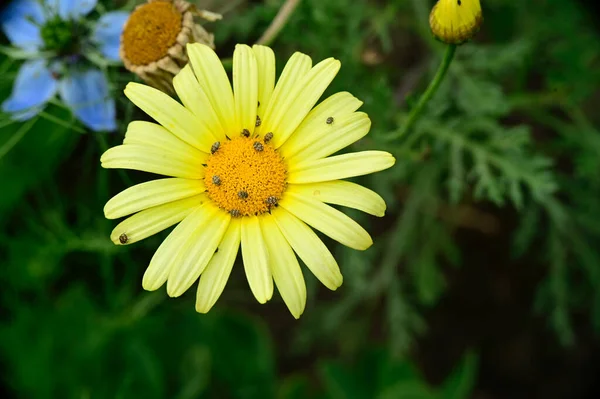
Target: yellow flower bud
x=455, y=21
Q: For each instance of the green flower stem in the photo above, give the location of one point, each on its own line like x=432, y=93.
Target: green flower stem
x=415, y=113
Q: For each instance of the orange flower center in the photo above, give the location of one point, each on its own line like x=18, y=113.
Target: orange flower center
x=245, y=176
x=150, y=32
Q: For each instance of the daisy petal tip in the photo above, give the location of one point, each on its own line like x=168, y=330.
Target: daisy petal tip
x=366, y=245
x=261, y=47
x=104, y=156
x=264, y=297
x=203, y=308
x=337, y=283
x=134, y=89
x=389, y=158
x=380, y=209
x=241, y=46
x=173, y=292
x=132, y=86
x=269, y=295
x=108, y=212
x=262, y=300
x=115, y=237
x=199, y=47
x=296, y=313
x=149, y=284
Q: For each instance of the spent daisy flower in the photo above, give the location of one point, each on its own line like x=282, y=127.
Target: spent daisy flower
x=55, y=38
x=155, y=36
x=249, y=167
x=455, y=21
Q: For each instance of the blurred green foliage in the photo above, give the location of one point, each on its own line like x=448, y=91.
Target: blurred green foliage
x=512, y=131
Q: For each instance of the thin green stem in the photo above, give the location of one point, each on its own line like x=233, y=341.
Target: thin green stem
x=278, y=22
x=415, y=113
x=10, y=143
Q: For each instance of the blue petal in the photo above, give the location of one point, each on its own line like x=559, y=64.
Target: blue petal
x=33, y=87
x=86, y=93
x=107, y=33
x=71, y=9
x=21, y=21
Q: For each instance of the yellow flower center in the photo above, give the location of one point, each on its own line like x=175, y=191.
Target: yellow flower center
x=151, y=31
x=245, y=176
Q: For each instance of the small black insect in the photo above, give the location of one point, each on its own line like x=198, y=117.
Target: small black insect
x=216, y=250
x=246, y=133
x=329, y=120
x=123, y=238
x=258, y=121
x=268, y=137
x=235, y=213
x=243, y=194
x=216, y=180
x=258, y=146
x=459, y=2
x=258, y=105
x=215, y=147
x=205, y=165
x=272, y=201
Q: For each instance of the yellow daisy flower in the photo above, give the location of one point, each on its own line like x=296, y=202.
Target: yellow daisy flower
x=249, y=167
x=455, y=21
x=154, y=38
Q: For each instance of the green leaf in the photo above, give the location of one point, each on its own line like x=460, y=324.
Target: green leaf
x=460, y=383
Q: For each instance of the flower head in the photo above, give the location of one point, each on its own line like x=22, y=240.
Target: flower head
x=154, y=39
x=455, y=21
x=249, y=166
x=55, y=38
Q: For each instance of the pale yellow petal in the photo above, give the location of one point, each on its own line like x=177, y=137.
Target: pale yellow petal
x=194, y=98
x=198, y=248
x=337, y=106
x=173, y=116
x=283, y=95
x=153, y=160
x=265, y=61
x=339, y=166
x=330, y=138
x=305, y=95
x=165, y=256
x=212, y=77
x=245, y=87
x=149, y=194
x=309, y=248
x=152, y=220
x=153, y=135
x=327, y=220
x=284, y=266
x=256, y=261
x=342, y=193
x=215, y=276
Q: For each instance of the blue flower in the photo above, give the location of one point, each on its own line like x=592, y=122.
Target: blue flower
x=57, y=41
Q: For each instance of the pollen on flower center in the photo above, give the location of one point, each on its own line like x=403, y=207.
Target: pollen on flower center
x=151, y=31
x=245, y=176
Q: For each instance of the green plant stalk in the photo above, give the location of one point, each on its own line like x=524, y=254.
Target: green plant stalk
x=431, y=89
